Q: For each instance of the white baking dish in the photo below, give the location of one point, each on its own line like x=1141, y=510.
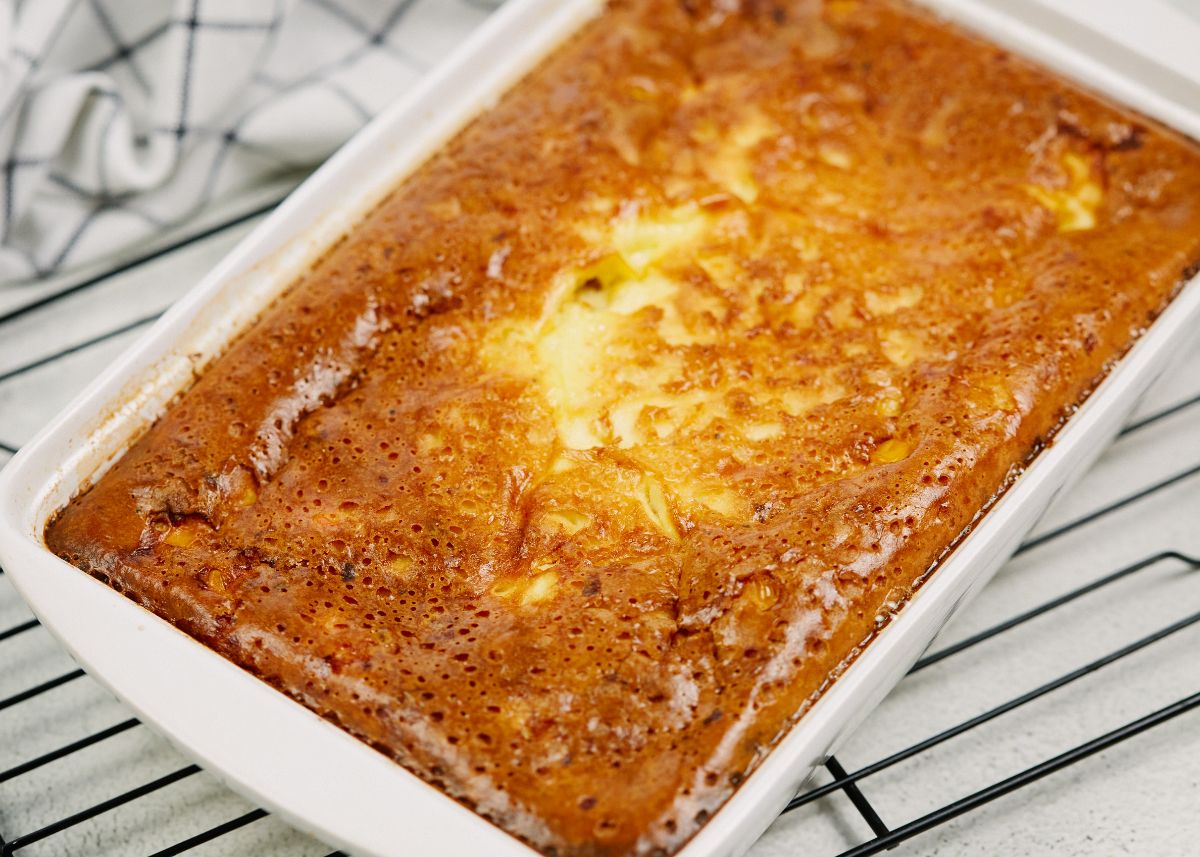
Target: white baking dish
x=318, y=777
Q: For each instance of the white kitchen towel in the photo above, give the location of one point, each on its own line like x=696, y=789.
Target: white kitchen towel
x=119, y=118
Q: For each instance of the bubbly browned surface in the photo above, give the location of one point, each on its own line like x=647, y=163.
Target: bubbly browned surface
x=578, y=469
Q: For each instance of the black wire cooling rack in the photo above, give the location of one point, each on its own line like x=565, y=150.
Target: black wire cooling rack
x=844, y=784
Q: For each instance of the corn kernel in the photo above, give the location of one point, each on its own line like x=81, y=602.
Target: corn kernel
x=659, y=621
x=803, y=310
x=516, y=714
x=935, y=134
x=720, y=500
x=844, y=314
x=885, y=303
x=890, y=405
x=654, y=502
x=1006, y=294
x=215, y=581
x=1001, y=397
x=642, y=89
x=890, y=451
x=540, y=588
x=184, y=534
x=992, y=394
x=568, y=521
x=705, y=131
x=762, y=592
x=400, y=567
x=900, y=347
x=645, y=241
x=731, y=165
x=835, y=156
x=180, y=537
x=507, y=588
x=446, y=209
x=1074, y=206
x=429, y=442
x=762, y=431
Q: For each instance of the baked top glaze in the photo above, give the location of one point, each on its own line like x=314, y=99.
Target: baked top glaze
x=575, y=472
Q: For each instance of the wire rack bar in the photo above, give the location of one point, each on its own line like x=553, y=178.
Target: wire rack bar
x=991, y=714
x=211, y=834
x=18, y=629
x=852, y=791
x=67, y=750
x=138, y=261
x=38, y=690
x=1103, y=511
x=1029, y=775
x=1066, y=598
x=1158, y=416
x=80, y=346
x=98, y=809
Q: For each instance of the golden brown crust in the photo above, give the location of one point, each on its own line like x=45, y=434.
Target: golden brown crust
x=582, y=465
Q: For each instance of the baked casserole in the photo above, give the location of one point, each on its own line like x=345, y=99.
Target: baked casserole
x=575, y=472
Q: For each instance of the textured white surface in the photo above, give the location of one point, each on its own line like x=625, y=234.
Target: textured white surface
x=1142, y=797
x=161, y=106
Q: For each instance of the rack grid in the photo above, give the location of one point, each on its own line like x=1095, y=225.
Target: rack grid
x=853, y=785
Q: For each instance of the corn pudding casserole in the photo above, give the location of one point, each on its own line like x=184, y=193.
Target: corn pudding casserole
x=586, y=461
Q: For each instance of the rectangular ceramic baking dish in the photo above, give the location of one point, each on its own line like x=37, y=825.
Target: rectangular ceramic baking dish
x=280, y=754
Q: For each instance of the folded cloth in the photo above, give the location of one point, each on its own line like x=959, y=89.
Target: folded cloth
x=119, y=118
